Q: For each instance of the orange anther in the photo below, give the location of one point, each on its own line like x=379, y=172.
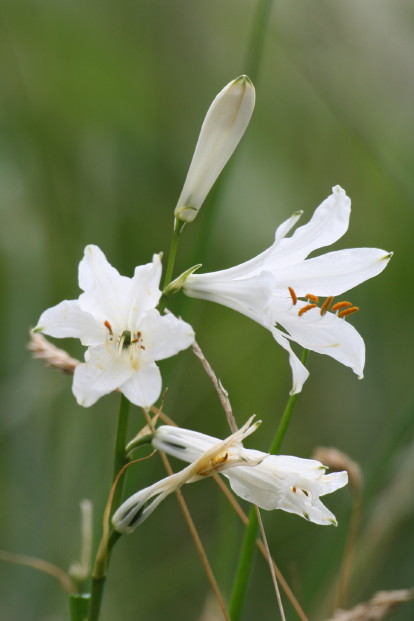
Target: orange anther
x=108, y=326
x=293, y=295
x=325, y=306
x=294, y=490
x=348, y=311
x=340, y=305
x=305, y=309
x=312, y=298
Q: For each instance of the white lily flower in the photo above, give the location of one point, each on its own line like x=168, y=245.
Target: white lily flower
x=216, y=457
x=221, y=132
x=116, y=319
x=276, y=482
x=268, y=287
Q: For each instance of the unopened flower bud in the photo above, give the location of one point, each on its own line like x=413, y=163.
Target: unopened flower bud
x=223, y=127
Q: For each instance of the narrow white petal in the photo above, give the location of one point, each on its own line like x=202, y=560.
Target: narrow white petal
x=184, y=444
x=222, y=129
x=328, y=223
x=286, y=226
x=107, y=293
x=299, y=372
x=143, y=387
x=165, y=335
x=334, y=272
x=68, y=320
x=100, y=374
x=145, y=291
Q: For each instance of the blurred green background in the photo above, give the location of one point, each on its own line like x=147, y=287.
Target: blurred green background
x=101, y=104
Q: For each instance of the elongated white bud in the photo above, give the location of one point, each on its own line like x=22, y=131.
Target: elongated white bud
x=223, y=127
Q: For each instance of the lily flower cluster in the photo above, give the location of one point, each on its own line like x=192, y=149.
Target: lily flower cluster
x=117, y=320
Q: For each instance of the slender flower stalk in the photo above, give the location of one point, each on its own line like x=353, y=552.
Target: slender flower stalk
x=222, y=129
x=247, y=552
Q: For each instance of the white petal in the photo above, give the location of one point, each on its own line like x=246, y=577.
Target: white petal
x=184, y=444
x=334, y=272
x=107, y=293
x=144, y=387
x=165, y=335
x=333, y=481
x=247, y=296
x=222, y=129
x=326, y=334
x=328, y=223
x=145, y=292
x=68, y=320
x=286, y=226
x=102, y=373
x=299, y=372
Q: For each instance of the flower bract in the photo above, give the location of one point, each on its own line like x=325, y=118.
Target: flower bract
x=275, y=287
x=116, y=318
x=282, y=482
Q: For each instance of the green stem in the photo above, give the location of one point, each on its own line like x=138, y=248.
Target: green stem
x=103, y=555
x=247, y=553
x=286, y=417
x=178, y=228
x=79, y=604
x=98, y=585
x=257, y=38
x=120, y=457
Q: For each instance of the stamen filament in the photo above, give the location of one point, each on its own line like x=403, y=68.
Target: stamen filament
x=312, y=298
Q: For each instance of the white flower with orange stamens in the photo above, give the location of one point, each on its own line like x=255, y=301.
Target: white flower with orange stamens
x=268, y=288
x=274, y=482
x=215, y=457
x=116, y=319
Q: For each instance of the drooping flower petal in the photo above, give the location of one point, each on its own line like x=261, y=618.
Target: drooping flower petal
x=282, y=482
x=216, y=456
x=222, y=129
x=326, y=334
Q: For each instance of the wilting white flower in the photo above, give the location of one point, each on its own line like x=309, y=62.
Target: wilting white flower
x=268, y=287
x=216, y=457
x=221, y=132
x=116, y=319
x=276, y=482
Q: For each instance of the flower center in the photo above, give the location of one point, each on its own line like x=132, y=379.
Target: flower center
x=342, y=309
x=127, y=338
